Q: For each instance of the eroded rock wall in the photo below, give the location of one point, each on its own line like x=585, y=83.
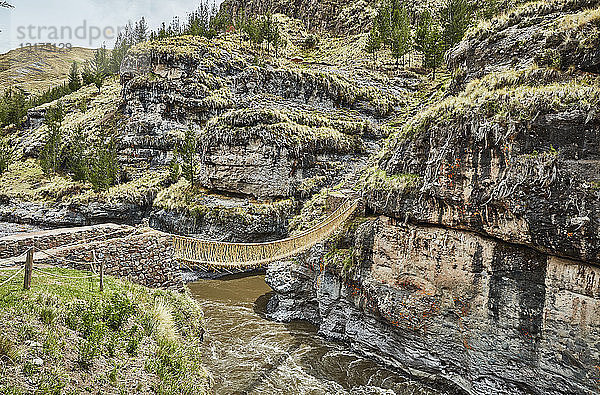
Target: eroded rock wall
x=482, y=314
x=263, y=131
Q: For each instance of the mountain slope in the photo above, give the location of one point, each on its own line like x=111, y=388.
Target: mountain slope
x=36, y=70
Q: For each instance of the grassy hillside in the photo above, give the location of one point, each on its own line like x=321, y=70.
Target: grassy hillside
x=64, y=336
x=36, y=70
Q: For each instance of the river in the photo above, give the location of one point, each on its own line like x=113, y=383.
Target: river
x=248, y=354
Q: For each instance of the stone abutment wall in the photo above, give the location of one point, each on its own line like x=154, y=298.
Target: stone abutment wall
x=143, y=256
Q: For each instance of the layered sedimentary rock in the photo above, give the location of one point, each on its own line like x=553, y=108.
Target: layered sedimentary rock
x=332, y=15
x=478, y=263
x=477, y=313
x=555, y=33
x=265, y=132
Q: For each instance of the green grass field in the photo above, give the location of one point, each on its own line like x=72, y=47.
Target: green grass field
x=65, y=336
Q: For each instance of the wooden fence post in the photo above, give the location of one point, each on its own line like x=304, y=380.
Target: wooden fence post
x=28, y=270
x=101, y=273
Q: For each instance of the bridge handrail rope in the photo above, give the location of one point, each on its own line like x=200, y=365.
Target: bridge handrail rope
x=232, y=255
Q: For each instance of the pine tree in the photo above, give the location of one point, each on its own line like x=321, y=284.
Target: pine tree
x=13, y=108
x=142, y=31
x=383, y=21
x=51, y=155
x=87, y=76
x=400, y=40
x=102, y=60
x=455, y=19
x=162, y=32
x=6, y=154
x=74, y=78
x=428, y=40
x=187, y=154
x=117, y=55
x=373, y=43
x=104, y=170
x=276, y=38
x=98, y=68
x=75, y=155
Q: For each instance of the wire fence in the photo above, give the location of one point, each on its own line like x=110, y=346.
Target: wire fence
x=12, y=277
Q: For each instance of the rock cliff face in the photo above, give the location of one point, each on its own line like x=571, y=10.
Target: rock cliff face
x=266, y=132
x=478, y=263
x=556, y=33
x=450, y=306
x=271, y=133
x=331, y=16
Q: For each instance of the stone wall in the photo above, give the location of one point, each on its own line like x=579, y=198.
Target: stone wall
x=14, y=245
x=143, y=256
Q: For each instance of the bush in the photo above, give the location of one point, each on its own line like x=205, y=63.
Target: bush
x=8, y=352
x=48, y=315
x=135, y=338
x=6, y=155
x=87, y=351
x=51, y=383
x=118, y=310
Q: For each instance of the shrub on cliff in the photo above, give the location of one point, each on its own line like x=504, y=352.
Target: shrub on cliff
x=185, y=158
x=6, y=154
x=104, y=168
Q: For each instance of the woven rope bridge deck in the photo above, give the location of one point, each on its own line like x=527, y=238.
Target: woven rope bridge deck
x=215, y=255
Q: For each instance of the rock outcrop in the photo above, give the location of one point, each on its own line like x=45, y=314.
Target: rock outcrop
x=473, y=313
x=331, y=16
x=266, y=132
x=478, y=265
x=557, y=33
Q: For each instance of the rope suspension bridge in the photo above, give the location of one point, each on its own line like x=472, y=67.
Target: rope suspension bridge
x=216, y=255
x=210, y=255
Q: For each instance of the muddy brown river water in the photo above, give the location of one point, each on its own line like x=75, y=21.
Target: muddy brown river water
x=248, y=354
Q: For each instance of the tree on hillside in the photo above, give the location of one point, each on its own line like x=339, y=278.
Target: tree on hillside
x=6, y=154
x=98, y=68
x=141, y=31
x=428, y=40
x=187, y=154
x=373, y=43
x=101, y=59
x=275, y=36
x=75, y=155
x=382, y=22
x=87, y=76
x=74, y=78
x=455, y=18
x=400, y=39
x=104, y=170
x=50, y=156
x=118, y=53
x=13, y=108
